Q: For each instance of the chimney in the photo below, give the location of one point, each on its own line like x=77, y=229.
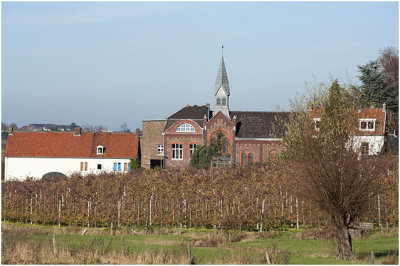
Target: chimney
x=10, y=130
x=138, y=132
x=208, y=104
x=384, y=107
x=77, y=131
x=234, y=120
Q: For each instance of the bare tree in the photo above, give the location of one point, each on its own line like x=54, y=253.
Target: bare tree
x=124, y=127
x=327, y=169
x=389, y=59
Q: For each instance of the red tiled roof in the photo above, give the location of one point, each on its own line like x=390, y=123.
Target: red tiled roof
x=66, y=145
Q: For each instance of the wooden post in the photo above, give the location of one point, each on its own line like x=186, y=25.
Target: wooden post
x=189, y=254
x=215, y=229
x=31, y=210
x=88, y=213
x=372, y=258
x=54, y=244
x=59, y=213
x=119, y=213
x=297, y=214
x=379, y=214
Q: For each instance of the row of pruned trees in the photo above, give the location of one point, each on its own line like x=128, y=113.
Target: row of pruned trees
x=261, y=196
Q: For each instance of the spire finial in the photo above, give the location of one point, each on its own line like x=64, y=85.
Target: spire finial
x=222, y=50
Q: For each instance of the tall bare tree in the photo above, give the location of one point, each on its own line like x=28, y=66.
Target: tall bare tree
x=328, y=170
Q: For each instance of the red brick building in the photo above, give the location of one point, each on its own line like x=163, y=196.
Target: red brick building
x=246, y=137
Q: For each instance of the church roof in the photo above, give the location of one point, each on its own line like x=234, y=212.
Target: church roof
x=259, y=124
x=195, y=113
x=222, y=78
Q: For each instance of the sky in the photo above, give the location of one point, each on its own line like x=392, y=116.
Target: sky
x=105, y=63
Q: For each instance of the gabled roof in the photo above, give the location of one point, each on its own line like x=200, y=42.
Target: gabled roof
x=66, y=145
x=195, y=113
x=258, y=124
x=222, y=78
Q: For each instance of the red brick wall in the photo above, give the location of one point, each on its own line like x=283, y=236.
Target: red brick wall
x=184, y=138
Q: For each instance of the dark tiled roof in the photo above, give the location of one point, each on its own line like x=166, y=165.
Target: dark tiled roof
x=258, y=124
x=195, y=113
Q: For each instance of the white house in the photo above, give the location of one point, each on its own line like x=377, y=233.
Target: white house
x=35, y=154
x=371, y=129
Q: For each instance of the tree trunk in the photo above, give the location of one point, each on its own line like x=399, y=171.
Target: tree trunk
x=344, y=244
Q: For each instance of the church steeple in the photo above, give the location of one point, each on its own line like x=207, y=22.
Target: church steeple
x=222, y=91
x=222, y=78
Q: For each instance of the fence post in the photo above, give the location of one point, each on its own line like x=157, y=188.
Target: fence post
x=297, y=214
x=379, y=215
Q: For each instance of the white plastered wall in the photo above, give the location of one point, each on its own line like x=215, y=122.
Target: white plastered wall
x=20, y=168
x=375, y=143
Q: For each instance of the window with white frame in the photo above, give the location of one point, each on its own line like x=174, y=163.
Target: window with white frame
x=317, y=123
x=367, y=124
x=185, y=128
x=192, y=147
x=177, y=151
x=160, y=150
x=100, y=150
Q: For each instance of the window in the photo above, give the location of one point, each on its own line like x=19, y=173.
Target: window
x=224, y=101
x=84, y=166
x=100, y=150
x=177, y=151
x=218, y=101
x=160, y=150
x=125, y=167
x=274, y=155
x=221, y=139
x=244, y=158
x=192, y=147
x=185, y=128
x=117, y=167
x=225, y=145
x=317, y=123
x=99, y=166
x=247, y=157
x=367, y=124
x=364, y=148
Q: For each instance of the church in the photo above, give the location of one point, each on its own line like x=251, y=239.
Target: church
x=246, y=137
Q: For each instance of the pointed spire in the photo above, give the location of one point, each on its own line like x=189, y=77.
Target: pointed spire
x=222, y=78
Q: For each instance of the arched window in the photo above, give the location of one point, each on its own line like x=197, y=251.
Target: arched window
x=218, y=101
x=224, y=101
x=185, y=128
x=244, y=159
x=225, y=145
x=274, y=155
x=247, y=157
x=221, y=139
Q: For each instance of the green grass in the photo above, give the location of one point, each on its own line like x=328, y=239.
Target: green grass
x=304, y=251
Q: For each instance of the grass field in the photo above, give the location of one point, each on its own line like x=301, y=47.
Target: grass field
x=30, y=244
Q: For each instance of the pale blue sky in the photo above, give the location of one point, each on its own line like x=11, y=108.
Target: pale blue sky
x=109, y=62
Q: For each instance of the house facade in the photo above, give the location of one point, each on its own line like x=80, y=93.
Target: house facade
x=370, y=128
x=35, y=154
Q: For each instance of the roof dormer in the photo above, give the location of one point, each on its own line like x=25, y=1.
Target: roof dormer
x=100, y=150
